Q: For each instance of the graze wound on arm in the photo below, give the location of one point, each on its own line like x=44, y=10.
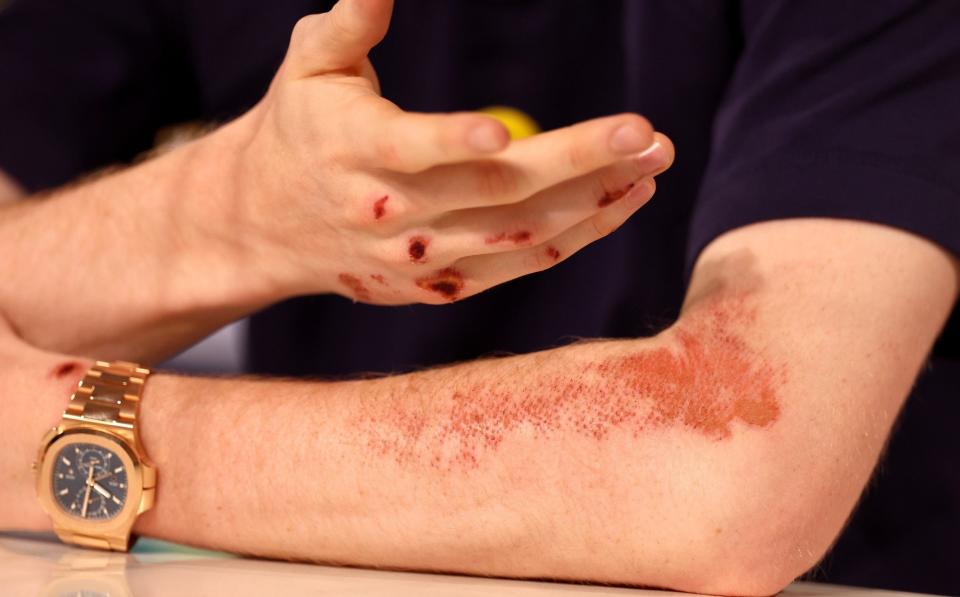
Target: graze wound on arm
x=356, y=286
x=706, y=380
x=614, y=196
x=69, y=374
x=380, y=207
x=553, y=253
x=379, y=279
x=417, y=248
x=64, y=370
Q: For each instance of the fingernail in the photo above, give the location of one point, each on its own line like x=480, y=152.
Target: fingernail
x=629, y=138
x=655, y=150
x=656, y=156
x=487, y=138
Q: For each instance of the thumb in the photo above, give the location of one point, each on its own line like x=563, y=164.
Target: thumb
x=337, y=40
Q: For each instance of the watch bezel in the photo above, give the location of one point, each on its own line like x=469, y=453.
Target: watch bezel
x=124, y=519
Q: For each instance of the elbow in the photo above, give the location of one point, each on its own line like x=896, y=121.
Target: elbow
x=753, y=545
x=757, y=571
x=763, y=545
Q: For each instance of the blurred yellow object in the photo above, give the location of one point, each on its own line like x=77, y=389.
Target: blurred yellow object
x=518, y=123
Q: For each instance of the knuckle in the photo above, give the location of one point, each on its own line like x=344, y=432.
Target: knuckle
x=355, y=217
x=304, y=29
x=335, y=27
x=387, y=153
x=416, y=249
x=391, y=254
x=379, y=212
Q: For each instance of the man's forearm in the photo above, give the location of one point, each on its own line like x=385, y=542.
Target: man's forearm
x=146, y=250
x=721, y=456
x=604, y=461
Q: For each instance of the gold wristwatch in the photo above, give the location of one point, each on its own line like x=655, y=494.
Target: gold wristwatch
x=93, y=476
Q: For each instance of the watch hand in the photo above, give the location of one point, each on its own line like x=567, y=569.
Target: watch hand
x=101, y=490
x=86, y=493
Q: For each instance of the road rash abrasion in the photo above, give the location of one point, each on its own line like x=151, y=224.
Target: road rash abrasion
x=705, y=379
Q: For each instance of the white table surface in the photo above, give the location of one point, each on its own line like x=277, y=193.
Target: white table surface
x=33, y=567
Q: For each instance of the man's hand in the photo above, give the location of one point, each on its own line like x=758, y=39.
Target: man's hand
x=347, y=193
x=324, y=186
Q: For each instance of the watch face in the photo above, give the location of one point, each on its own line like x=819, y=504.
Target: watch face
x=89, y=481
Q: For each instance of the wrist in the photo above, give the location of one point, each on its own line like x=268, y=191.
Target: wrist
x=275, y=201
x=37, y=387
x=217, y=240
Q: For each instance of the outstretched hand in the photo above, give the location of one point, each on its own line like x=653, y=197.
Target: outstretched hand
x=345, y=192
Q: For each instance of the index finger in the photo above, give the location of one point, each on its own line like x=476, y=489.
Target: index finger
x=556, y=156
x=531, y=165
x=381, y=135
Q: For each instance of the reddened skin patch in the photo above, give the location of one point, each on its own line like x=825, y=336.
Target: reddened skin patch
x=64, y=370
x=614, y=196
x=519, y=237
x=356, y=286
x=380, y=207
x=447, y=282
x=706, y=379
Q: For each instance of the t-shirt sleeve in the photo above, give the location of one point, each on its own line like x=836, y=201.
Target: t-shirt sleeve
x=83, y=84
x=843, y=110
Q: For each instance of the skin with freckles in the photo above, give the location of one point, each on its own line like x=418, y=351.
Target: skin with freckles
x=380, y=207
x=356, y=286
x=614, y=196
x=705, y=380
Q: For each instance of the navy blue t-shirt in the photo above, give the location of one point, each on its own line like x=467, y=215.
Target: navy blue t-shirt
x=778, y=109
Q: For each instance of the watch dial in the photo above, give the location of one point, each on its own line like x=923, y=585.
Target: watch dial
x=89, y=481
